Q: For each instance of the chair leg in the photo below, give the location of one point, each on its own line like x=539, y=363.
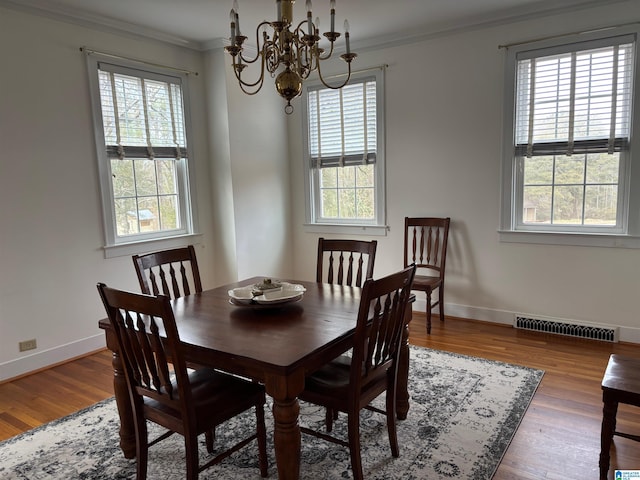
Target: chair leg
x=209, y=437
x=262, y=440
x=354, y=445
x=441, y=302
x=328, y=420
x=391, y=421
x=428, y=312
x=191, y=450
x=142, y=448
x=329, y=417
x=609, y=412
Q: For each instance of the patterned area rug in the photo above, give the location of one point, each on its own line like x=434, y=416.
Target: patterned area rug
x=464, y=412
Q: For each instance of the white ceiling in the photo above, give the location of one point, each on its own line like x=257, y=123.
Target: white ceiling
x=197, y=23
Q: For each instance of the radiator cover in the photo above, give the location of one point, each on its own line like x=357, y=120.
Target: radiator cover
x=569, y=328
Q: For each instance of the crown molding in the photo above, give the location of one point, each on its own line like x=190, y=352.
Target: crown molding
x=549, y=8
x=109, y=25
x=96, y=22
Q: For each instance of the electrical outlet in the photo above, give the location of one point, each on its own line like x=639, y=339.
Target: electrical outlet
x=27, y=345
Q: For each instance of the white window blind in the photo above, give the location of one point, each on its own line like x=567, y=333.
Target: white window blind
x=342, y=125
x=142, y=115
x=574, y=102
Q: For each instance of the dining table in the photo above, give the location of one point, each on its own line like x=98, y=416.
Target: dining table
x=276, y=344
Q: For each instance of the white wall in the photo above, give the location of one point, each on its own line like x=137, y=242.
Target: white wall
x=260, y=169
x=444, y=101
x=443, y=158
x=51, y=237
x=250, y=174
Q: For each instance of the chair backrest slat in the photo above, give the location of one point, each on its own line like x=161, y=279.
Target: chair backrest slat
x=173, y=273
x=425, y=243
x=380, y=325
x=345, y=261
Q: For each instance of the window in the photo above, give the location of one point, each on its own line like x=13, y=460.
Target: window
x=567, y=157
x=143, y=158
x=344, y=153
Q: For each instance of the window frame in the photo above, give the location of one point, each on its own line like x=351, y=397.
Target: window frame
x=115, y=245
x=627, y=233
x=311, y=174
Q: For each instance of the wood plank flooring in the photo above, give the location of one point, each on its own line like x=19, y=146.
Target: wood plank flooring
x=559, y=437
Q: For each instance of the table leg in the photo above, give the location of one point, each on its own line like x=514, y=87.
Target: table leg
x=121, y=392
x=609, y=412
x=402, y=387
x=286, y=430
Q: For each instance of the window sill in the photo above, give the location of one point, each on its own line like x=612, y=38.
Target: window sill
x=136, y=248
x=571, y=239
x=370, y=230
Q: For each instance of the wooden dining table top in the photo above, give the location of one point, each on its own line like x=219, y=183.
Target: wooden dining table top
x=277, y=336
x=269, y=338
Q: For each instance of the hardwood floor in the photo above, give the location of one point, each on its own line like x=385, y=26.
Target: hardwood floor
x=559, y=437
x=33, y=400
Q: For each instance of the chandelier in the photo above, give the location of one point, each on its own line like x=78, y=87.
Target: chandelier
x=288, y=55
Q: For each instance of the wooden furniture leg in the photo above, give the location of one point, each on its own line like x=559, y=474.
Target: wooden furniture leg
x=609, y=412
x=286, y=429
x=402, y=387
x=121, y=392
x=429, y=312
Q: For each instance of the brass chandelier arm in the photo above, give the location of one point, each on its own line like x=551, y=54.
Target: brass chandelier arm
x=336, y=87
x=243, y=83
x=259, y=52
x=298, y=29
x=302, y=65
x=328, y=55
x=271, y=57
x=249, y=92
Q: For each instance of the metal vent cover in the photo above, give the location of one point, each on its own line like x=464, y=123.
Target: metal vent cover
x=603, y=333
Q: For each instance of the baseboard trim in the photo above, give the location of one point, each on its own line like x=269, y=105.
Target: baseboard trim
x=47, y=358
x=468, y=312
x=627, y=334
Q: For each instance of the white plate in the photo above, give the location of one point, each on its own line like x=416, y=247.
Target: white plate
x=282, y=296
x=292, y=287
x=289, y=292
x=242, y=295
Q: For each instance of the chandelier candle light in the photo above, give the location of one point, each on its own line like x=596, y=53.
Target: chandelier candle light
x=294, y=54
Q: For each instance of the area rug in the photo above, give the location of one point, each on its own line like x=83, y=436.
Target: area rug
x=464, y=412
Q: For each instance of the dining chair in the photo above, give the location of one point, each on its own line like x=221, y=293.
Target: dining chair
x=425, y=245
x=186, y=402
x=171, y=272
x=620, y=384
x=345, y=259
x=351, y=382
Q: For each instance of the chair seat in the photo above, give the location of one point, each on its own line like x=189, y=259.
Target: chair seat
x=425, y=282
x=331, y=383
x=216, y=396
x=622, y=379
